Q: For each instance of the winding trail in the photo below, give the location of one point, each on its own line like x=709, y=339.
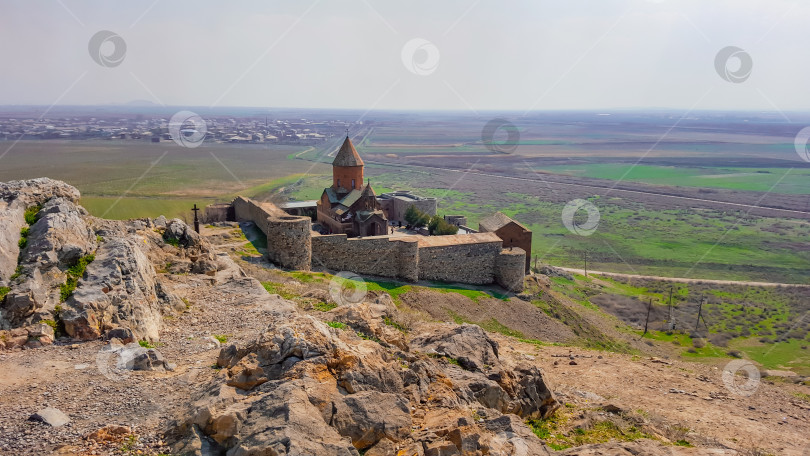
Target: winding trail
x=685, y=280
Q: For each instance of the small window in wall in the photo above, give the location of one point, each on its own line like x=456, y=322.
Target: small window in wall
x=338, y=183
x=353, y=183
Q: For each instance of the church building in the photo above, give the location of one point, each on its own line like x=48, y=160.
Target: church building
x=349, y=207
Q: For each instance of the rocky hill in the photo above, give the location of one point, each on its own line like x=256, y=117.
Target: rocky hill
x=143, y=337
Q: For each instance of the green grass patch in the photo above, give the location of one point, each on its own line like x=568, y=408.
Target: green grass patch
x=3, y=292
x=554, y=431
x=389, y=322
x=324, y=306
x=336, y=324
x=308, y=277
x=803, y=396
x=17, y=272
x=278, y=288
x=788, y=355
x=221, y=338
x=493, y=325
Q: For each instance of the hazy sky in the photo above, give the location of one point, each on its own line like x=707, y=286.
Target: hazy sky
x=476, y=55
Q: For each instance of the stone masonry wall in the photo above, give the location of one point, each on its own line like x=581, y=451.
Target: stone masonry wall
x=471, y=258
x=509, y=269
x=466, y=263
x=380, y=256
x=288, y=236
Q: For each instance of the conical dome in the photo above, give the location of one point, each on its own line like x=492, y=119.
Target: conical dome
x=347, y=155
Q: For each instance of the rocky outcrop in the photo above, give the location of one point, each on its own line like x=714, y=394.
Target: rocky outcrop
x=11, y=221
x=644, y=447
x=87, y=276
x=37, y=191
x=57, y=241
x=178, y=233
x=304, y=387
x=118, y=290
x=15, y=198
x=33, y=336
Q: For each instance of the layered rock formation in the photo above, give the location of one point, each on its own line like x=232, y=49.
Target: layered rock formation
x=84, y=276
x=305, y=387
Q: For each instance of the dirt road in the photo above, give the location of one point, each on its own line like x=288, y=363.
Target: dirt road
x=685, y=280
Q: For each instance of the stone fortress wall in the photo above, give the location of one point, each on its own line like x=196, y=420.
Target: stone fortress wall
x=288, y=236
x=377, y=255
x=465, y=258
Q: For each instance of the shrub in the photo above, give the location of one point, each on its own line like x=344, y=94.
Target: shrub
x=3, y=292
x=31, y=214
x=74, y=273
x=415, y=217
x=439, y=227
x=145, y=344
x=221, y=338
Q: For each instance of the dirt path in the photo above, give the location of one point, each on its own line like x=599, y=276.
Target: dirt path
x=685, y=280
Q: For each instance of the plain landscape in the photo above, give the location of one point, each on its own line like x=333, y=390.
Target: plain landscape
x=700, y=258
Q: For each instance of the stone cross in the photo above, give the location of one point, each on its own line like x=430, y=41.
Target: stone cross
x=196, y=220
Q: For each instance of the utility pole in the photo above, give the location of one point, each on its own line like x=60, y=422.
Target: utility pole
x=700, y=310
x=586, y=263
x=196, y=220
x=646, y=322
x=669, y=318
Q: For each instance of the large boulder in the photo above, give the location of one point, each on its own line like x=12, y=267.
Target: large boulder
x=60, y=236
x=469, y=344
x=369, y=416
x=56, y=241
x=37, y=191
x=178, y=233
x=483, y=376
x=25, y=300
x=118, y=290
x=15, y=198
x=11, y=221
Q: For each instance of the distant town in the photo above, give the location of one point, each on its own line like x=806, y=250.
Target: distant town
x=224, y=129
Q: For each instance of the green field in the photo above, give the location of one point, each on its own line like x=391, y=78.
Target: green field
x=127, y=208
x=699, y=243
x=778, y=180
